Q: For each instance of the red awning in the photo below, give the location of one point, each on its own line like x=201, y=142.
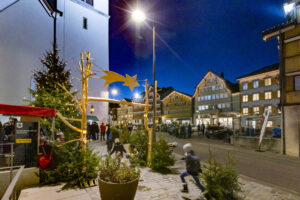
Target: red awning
x=26, y=110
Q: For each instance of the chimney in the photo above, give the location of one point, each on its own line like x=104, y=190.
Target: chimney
x=222, y=74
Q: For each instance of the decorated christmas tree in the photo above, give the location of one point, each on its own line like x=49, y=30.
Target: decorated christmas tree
x=49, y=93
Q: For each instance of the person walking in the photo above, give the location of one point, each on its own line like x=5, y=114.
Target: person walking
x=202, y=128
x=189, y=130
x=199, y=129
x=193, y=167
x=109, y=143
x=107, y=130
x=94, y=130
x=183, y=133
x=102, y=130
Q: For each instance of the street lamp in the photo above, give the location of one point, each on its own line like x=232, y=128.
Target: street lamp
x=138, y=16
x=114, y=92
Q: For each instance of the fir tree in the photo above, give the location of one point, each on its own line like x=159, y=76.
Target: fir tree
x=49, y=94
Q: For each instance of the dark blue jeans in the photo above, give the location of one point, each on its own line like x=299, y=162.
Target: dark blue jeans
x=185, y=173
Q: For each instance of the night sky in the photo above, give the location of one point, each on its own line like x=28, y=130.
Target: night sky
x=194, y=36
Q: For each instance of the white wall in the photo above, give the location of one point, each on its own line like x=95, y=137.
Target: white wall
x=27, y=32
x=292, y=137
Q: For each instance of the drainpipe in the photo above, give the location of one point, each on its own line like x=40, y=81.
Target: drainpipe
x=282, y=91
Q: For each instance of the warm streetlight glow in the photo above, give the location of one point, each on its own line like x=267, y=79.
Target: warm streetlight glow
x=114, y=92
x=138, y=16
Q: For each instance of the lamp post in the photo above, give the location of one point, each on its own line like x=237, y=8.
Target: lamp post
x=138, y=16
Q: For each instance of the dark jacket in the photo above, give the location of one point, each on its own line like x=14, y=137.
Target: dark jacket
x=192, y=164
x=118, y=148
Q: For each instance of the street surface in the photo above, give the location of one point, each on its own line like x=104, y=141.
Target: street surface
x=267, y=167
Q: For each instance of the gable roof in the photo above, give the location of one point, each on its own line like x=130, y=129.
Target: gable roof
x=188, y=95
x=276, y=30
x=126, y=99
x=233, y=87
x=261, y=70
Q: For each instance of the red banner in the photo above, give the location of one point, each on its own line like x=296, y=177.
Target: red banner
x=26, y=110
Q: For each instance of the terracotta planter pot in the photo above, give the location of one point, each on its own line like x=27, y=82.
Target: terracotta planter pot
x=117, y=191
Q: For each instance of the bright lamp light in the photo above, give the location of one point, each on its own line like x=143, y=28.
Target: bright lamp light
x=136, y=95
x=114, y=92
x=288, y=7
x=138, y=15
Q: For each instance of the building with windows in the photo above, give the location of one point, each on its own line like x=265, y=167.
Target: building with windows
x=113, y=113
x=27, y=33
x=216, y=101
x=258, y=90
x=138, y=112
x=288, y=35
x=125, y=113
x=177, y=107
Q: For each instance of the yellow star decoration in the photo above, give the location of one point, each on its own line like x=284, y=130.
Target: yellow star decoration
x=131, y=82
x=111, y=77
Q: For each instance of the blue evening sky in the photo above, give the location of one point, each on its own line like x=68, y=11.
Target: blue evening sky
x=194, y=36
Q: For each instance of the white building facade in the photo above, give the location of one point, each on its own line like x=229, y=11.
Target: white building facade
x=26, y=34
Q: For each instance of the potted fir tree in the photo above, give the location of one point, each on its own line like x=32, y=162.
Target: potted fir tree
x=117, y=180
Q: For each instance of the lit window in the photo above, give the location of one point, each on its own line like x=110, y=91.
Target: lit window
x=202, y=98
x=220, y=106
x=209, y=98
x=245, y=111
x=221, y=96
x=225, y=95
x=245, y=86
x=269, y=124
x=256, y=110
x=297, y=82
x=278, y=93
x=267, y=81
x=228, y=105
x=198, y=98
x=245, y=98
x=268, y=95
x=221, y=86
x=217, y=96
x=255, y=84
x=223, y=105
x=213, y=96
x=213, y=88
x=255, y=97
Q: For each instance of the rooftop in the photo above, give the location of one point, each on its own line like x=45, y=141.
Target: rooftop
x=261, y=70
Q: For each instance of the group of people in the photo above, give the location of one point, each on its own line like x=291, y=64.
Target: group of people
x=183, y=131
x=201, y=129
x=94, y=132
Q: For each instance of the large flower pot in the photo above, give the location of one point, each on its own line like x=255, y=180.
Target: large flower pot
x=117, y=191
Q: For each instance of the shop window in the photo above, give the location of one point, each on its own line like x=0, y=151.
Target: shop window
x=245, y=111
x=245, y=86
x=255, y=84
x=267, y=81
x=297, y=82
x=255, y=97
x=268, y=95
x=245, y=98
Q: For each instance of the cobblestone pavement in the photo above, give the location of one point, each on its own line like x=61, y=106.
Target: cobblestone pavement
x=154, y=186
x=157, y=186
